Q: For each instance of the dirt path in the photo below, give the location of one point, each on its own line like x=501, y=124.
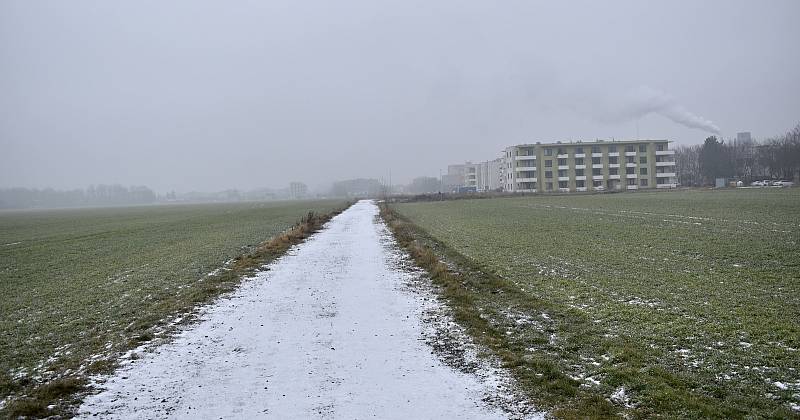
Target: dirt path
x=327, y=332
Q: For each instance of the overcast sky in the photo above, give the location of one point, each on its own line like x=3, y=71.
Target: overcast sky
x=196, y=95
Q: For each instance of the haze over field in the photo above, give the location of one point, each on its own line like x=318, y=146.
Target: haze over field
x=199, y=95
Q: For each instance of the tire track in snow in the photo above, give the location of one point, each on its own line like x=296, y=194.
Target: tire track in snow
x=326, y=332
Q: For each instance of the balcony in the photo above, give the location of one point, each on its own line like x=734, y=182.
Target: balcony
x=525, y=168
x=526, y=180
x=563, y=167
x=666, y=185
x=633, y=187
x=597, y=177
x=580, y=178
x=563, y=178
x=630, y=165
x=580, y=189
x=613, y=165
x=562, y=156
x=665, y=174
x=532, y=157
x=631, y=176
x=597, y=155
x=580, y=155
x=597, y=166
x=613, y=154
x=563, y=190
x=664, y=152
x=580, y=166
x=630, y=153
x=613, y=177
x=665, y=163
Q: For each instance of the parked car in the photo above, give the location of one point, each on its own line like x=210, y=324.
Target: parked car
x=782, y=183
x=599, y=188
x=759, y=183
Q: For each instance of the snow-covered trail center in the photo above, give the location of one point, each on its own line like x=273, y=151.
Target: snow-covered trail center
x=326, y=332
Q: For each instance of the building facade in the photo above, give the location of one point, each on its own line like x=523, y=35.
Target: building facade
x=297, y=190
x=589, y=166
x=482, y=176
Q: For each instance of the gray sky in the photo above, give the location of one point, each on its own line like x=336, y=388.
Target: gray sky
x=210, y=95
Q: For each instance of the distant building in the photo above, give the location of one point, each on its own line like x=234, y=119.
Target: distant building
x=744, y=137
x=454, y=178
x=586, y=166
x=297, y=190
x=494, y=175
x=482, y=176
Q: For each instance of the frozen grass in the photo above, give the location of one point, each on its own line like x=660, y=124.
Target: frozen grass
x=682, y=304
x=80, y=287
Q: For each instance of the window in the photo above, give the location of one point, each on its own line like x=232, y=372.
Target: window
x=612, y=149
x=561, y=151
x=630, y=159
x=548, y=163
x=642, y=171
x=595, y=149
x=579, y=172
x=579, y=150
x=549, y=186
x=562, y=162
x=597, y=171
x=595, y=161
x=660, y=147
x=580, y=184
x=643, y=182
x=548, y=174
x=643, y=159
x=632, y=181
x=562, y=184
x=562, y=172
x=526, y=163
x=643, y=148
x=597, y=183
x=579, y=161
x=613, y=171
x=630, y=171
x=613, y=160
x=548, y=151
x=630, y=148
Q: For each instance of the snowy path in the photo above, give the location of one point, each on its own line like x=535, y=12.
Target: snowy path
x=326, y=332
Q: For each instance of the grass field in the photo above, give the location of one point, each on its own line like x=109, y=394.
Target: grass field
x=88, y=283
x=684, y=304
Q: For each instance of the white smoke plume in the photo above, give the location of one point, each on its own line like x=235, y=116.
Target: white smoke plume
x=646, y=100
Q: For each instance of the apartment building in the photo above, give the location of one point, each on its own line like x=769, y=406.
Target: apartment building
x=482, y=176
x=587, y=166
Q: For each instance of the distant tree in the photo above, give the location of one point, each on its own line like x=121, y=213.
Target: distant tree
x=715, y=160
x=781, y=155
x=687, y=165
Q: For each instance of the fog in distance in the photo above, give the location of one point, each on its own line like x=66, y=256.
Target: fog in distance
x=208, y=95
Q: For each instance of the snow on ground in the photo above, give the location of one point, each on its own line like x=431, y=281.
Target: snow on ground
x=329, y=331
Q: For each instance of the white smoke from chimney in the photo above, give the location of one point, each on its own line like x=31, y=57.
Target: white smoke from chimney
x=646, y=100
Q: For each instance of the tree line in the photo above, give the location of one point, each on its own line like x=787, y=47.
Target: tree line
x=747, y=161
x=94, y=195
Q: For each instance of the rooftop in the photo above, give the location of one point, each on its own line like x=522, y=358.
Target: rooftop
x=592, y=142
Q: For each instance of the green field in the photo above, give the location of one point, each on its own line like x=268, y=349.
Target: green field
x=689, y=301
x=91, y=282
